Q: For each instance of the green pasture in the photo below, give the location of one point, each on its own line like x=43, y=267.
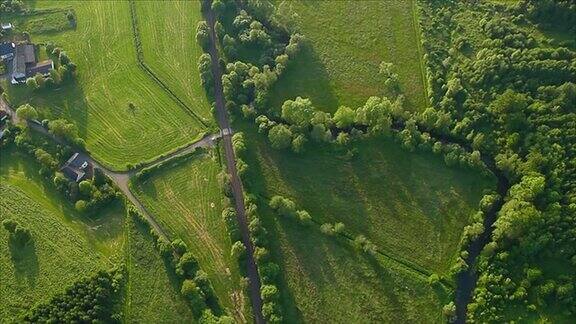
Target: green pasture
x=187, y=201
x=65, y=246
x=409, y=204
x=108, y=80
x=168, y=31
x=326, y=281
x=347, y=40
x=152, y=291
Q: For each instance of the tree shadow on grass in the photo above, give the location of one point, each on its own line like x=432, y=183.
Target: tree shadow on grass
x=67, y=101
x=175, y=281
x=25, y=260
x=306, y=76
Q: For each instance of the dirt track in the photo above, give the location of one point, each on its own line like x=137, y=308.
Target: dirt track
x=236, y=184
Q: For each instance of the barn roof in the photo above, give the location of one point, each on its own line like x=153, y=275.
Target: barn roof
x=42, y=68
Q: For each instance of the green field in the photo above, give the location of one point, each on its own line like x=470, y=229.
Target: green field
x=407, y=203
x=153, y=294
x=327, y=281
x=108, y=80
x=168, y=31
x=187, y=201
x=347, y=41
x=66, y=246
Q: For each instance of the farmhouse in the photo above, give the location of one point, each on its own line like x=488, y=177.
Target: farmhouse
x=24, y=64
x=6, y=51
x=77, y=168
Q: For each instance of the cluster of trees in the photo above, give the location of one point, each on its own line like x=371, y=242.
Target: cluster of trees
x=195, y=285
x=287, y=208
x=58, y=127
x=299, y=122
x=268, y=270
x=333, y=229
x=20, y=234
x=551, y=13
x=92, y=300
x=11, y=6
x=239, y=31
x=246, y=84
x=89, y=195
x=64, y=71
x=93, y=194
x=513, y=101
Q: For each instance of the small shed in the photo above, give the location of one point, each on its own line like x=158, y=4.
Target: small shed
x=6, y=26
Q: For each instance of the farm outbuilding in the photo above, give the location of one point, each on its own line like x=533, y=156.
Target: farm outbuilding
x=7, y=26
x=24, y=64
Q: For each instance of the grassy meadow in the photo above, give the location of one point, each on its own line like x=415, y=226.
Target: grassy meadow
x=187, y=201
x=410, y=204
x=152, y=292
x=108, y=80
x=168, y=31
x=347, y=40
x=66, y=246
x=327, y=281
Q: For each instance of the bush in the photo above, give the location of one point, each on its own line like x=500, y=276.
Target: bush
x=17, y=232
x=91, y=300
x=187, y=266
x=280, y=137
x=194, y=296
x=26, y=112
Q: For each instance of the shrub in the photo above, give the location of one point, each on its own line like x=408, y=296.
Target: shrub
x=280, y=137
x=193, y=295
x=26, y=112
x=187, y=265
x=269, y=293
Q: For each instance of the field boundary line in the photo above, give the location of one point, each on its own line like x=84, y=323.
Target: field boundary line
x=142, y=64
x=418, y=33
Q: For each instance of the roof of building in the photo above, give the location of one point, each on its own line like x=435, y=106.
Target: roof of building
x=73, y=174
x=42, y=68
x=76, y=160
x=3, y=115
x=77, y=167
x=6, y=48
x=19, y=62
x=29, y=55
x=6, y=26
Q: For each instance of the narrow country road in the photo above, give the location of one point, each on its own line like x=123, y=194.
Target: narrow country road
x=236, y=184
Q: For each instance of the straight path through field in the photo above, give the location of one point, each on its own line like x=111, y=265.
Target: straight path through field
x=236, y=184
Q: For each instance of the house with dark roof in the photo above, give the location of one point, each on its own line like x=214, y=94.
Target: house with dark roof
x=24, y=64
x=7, y=51
x=78, y=168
